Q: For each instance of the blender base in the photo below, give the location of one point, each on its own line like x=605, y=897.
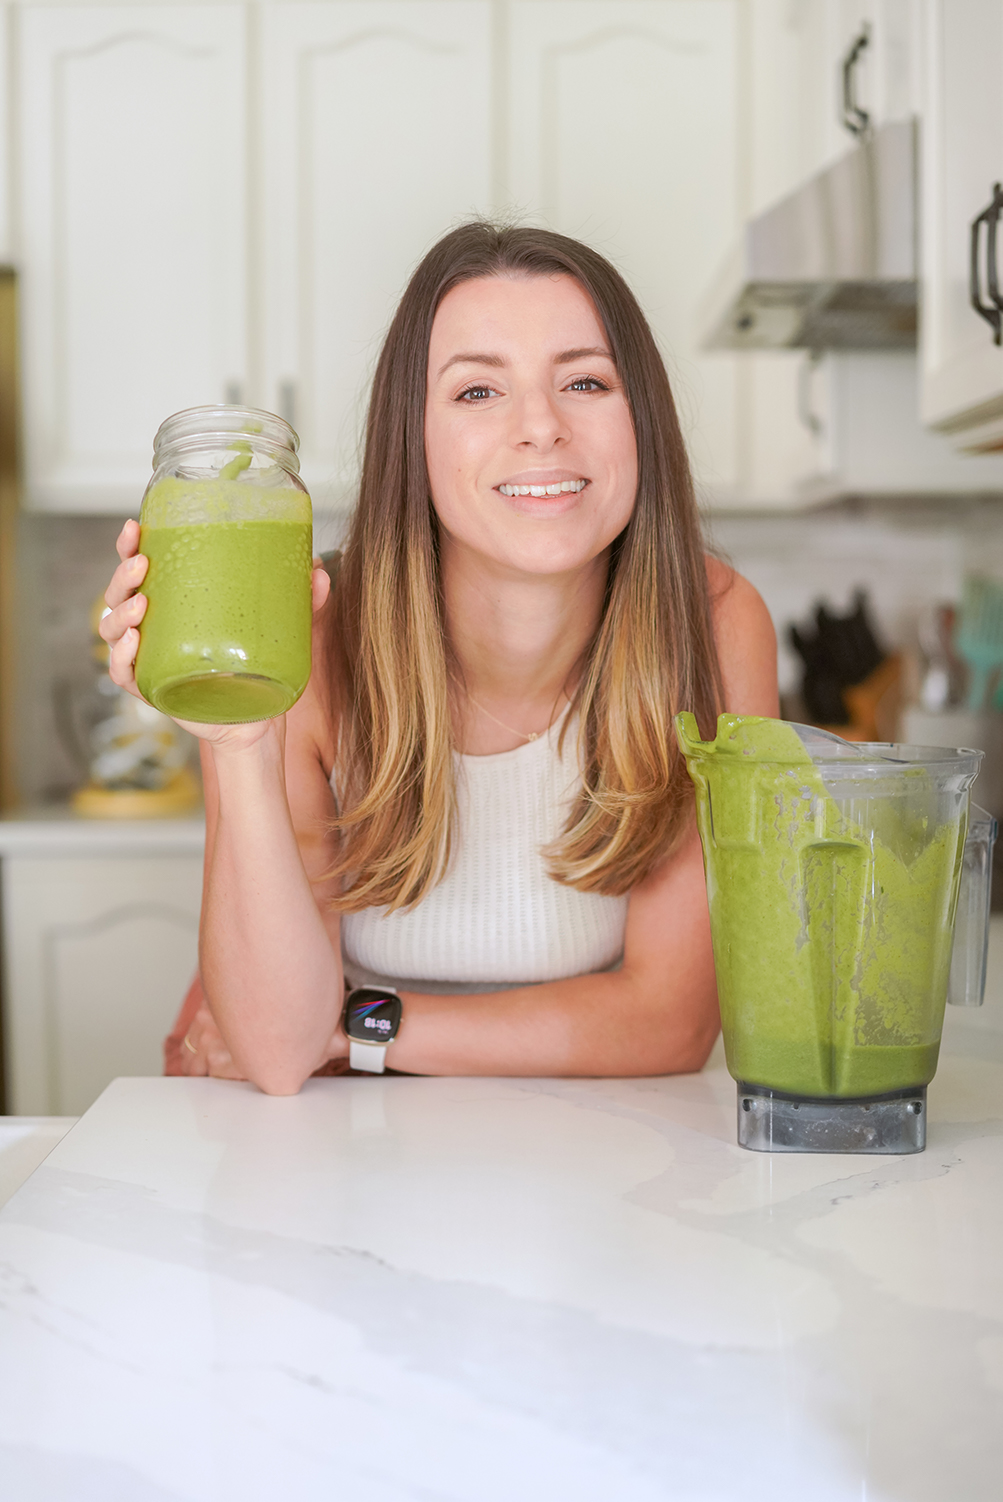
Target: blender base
x=771, y=1122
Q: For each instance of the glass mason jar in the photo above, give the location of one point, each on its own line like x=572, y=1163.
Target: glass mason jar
x=226, y=524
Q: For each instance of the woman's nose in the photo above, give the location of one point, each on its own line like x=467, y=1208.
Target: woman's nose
x=538, y=421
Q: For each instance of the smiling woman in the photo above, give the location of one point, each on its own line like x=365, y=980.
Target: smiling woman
x=477, y=810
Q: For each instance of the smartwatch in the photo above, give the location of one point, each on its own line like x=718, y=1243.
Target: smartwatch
x=372, y=1019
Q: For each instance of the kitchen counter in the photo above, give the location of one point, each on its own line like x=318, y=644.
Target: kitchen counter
x=493, y=1290
x=57, y=830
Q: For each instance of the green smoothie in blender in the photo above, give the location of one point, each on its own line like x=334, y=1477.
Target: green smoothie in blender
x=832, y=890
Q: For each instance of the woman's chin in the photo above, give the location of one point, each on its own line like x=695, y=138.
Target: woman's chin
x=540, y=545
x=543, y=562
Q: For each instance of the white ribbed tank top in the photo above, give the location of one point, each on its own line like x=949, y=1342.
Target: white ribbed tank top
x=496, y=918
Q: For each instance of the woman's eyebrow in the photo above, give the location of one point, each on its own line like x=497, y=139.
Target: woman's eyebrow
x=569, y=356
x=472, y=359
x=566, y=357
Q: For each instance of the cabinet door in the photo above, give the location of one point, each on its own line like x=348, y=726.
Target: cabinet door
x=624, y=133
x=962, y=369
x=133, y=236
x=376, y=131
x=98, y=955
x=886, y=78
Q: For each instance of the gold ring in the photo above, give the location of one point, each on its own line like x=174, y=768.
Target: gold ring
x=189, y=1044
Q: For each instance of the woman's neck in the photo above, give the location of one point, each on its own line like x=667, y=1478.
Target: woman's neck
x=518, y=643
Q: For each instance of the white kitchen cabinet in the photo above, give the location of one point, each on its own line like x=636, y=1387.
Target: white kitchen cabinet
x=886, y=76
x=654, y=129
x=219, y=202
x=365, y=128
x=790, y=433
x=870, y=439
x=962, y=364
x=376, y=136
x=99, y=951
x=624, y=132
x=131, y=143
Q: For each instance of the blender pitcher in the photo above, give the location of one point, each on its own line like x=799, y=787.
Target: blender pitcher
x=833, y=875
x=226, y=524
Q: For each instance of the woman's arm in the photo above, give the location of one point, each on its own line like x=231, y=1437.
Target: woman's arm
x=658, y=1013
x=269, y=950
x=269, y=946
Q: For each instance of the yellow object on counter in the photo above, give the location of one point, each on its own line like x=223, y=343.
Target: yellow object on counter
x=179, y=796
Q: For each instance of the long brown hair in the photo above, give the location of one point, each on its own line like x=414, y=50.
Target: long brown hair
x=653, y=650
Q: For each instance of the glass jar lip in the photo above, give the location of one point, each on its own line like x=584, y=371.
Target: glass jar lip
x=195, y=426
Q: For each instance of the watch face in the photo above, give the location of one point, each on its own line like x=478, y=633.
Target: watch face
x=372, y=1016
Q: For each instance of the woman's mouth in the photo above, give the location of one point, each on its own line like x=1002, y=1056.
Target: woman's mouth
x=559, y=487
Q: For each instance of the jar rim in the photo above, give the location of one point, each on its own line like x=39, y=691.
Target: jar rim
x=222, y=421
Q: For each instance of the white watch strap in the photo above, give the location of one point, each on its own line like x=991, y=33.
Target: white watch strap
x=369, y=1056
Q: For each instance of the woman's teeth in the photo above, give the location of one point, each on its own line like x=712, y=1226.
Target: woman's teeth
x=563, y=487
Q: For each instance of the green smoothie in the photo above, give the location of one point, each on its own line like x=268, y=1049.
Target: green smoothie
x=226, y=636
x=832, y=919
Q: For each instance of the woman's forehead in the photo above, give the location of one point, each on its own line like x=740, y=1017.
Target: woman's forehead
x=498, y=314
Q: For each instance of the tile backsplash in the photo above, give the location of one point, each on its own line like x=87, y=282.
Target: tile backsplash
x=64, y=564
x=905, y=556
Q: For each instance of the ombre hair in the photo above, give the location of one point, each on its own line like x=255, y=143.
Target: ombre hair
x=652, y=652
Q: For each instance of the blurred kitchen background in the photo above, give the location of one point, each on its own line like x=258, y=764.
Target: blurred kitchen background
x=222, y=202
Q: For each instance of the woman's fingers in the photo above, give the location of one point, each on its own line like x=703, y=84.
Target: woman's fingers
x=191, y=1058
x=122, y=661
x=127, y=541
x=221, y=1065
x=204, y=1052
x=120, y=622
x=119, y=629
x=117, y=619
x=126, y=580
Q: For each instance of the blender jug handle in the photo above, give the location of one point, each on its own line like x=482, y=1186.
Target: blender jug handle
x=971, y=926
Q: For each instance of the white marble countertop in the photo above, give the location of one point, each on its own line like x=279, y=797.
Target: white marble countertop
x=503, y=1291
x=57, y=830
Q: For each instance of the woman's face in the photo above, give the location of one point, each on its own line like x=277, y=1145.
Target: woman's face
x=528, y=437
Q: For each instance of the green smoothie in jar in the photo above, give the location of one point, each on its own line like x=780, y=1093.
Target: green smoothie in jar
x=226, y=525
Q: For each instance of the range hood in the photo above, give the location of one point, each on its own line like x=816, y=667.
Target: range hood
x=834, y=265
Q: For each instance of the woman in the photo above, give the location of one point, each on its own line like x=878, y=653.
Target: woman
x=522, y=605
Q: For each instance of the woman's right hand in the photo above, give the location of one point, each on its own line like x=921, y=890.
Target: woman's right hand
x=119, y=627
x=120, y=624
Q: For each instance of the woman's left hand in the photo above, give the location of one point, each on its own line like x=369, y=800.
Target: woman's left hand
x=204, y=1052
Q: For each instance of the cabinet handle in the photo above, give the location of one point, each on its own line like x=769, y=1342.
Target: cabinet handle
x=991, y=311
x=806, y=411
x=856, y=120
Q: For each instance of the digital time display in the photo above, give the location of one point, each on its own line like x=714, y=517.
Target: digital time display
x=372, y=1016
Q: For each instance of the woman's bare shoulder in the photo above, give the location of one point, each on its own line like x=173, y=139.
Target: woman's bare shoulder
x=746, y=641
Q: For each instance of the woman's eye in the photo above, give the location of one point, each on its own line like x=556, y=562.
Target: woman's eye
x=476, y=394
x=587, y=383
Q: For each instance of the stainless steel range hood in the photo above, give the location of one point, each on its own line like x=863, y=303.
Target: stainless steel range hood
x=833, y=266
